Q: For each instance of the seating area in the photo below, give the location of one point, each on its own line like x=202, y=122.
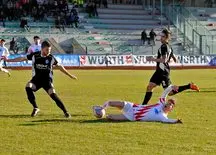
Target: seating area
x=207, y=16
x=117, y=30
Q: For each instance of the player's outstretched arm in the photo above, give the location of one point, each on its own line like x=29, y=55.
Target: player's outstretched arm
x=63, y=70
x=161, y=60
x=168, y=90
x=172, y=121
x=19, y=59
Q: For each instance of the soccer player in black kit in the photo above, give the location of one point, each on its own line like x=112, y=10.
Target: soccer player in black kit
x=42, y=76
x=162, y=73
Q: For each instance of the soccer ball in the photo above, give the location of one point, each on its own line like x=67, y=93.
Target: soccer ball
x=98, y=111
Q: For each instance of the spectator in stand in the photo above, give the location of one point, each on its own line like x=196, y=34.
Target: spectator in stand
x=143, y=37
x=60, y=23
x=10, y=11
x=24, y=24
x=105, y=3
x=19, y=13
x=35, y=13
x=90, y=9
x=95, y=13
x=99, y=3
x=152, y=36
x=73, y=18
x=13, y=46
x=2, y=17
x=55, y=5
x=114, y=1
x=41, y=13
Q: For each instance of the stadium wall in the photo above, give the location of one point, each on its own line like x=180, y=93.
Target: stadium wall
x=121, y=62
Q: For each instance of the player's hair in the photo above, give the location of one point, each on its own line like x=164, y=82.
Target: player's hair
x=45, y=44
x=2, y=40
x=167, y=33
x=36, y=37
x=173, y=101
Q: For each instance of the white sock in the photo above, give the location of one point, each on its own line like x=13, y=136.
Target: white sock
x=4, y=70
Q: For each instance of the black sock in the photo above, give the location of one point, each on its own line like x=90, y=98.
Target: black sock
x=181, y=88
x=148, y=96
x=31, y=97
x=58, y=102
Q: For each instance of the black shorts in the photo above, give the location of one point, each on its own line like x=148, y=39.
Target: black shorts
x=161, y=78
x=45, y=84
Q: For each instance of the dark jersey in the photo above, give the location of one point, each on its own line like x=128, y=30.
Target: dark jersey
x=164, y=50
x=42, y=67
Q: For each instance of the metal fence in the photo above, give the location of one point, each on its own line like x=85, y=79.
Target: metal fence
x=195, y=35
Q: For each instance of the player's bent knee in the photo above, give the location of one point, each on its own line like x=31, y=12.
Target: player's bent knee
x=150, y=88
x=31, y=85
x=51, y=91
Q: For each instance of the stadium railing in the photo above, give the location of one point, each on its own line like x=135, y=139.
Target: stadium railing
x=192, y=29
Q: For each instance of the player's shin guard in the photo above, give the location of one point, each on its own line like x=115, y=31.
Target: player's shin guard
x=181, y=88
x=58, y=102
x=148, y=96
x=31, y=97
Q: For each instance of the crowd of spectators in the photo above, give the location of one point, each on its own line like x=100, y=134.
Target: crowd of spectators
x=92, y=5
x=39, y=10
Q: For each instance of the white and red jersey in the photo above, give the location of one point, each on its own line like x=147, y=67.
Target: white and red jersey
x=34, y=48
x=153, y=112
x=4, y=53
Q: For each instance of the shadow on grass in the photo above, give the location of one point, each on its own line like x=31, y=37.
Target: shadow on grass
x=28, y=116
x=14, y=116
x=201, y=91
x=28, y=124
x=54, y=120
x=102, y=121
x=48, y=121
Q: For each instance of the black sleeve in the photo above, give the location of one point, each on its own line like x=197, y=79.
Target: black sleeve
x=29, y=56
x=164, y=50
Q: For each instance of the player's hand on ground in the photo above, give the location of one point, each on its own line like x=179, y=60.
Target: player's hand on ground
x=179, y=121
x=149, y=58
x=175, y=88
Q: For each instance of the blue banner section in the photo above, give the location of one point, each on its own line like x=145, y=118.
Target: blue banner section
x=68, y=59
x=213, y=62
x=18, y=64
x=63, y=59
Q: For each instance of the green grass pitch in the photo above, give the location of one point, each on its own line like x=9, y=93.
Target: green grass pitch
x=51, y=133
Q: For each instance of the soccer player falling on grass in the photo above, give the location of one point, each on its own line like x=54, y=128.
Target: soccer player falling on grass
x=148, y=113
x=162, y=73
x=42, y=76
x=3, y=55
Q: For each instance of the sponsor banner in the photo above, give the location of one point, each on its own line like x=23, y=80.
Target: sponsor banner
x=63, y=59
x=119, y=60
x=140, y=60
x=213, y=62
x=199, y=60
x=67, y=59
x=106, y=60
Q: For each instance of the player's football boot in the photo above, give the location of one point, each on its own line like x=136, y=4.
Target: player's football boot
x=35, y=112
x=67, y=115
x=194, y=87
